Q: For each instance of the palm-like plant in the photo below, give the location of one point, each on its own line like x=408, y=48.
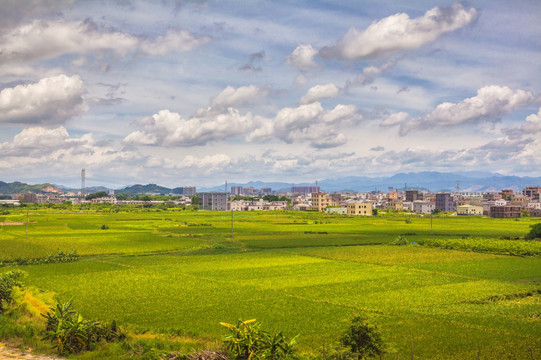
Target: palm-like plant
x=246, y=340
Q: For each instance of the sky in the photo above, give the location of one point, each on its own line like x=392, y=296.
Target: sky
x=182, y=93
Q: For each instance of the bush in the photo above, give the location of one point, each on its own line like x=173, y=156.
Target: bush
x=71, y=334
x=408, y=220
x=363, y=339
x=104, y=227
x=247, y=341
x=400, y=240
x=535, y=232
x=8, y=281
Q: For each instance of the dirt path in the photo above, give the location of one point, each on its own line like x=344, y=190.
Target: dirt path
x=7, y=353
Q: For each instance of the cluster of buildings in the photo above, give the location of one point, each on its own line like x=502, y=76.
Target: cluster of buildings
x=220, y=201
x=503, y=204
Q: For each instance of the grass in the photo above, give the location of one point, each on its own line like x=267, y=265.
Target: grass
x=450, y=304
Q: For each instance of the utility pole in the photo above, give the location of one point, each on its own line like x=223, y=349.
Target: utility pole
x=431, y=213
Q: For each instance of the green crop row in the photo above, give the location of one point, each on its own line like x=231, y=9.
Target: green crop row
x=497, y=246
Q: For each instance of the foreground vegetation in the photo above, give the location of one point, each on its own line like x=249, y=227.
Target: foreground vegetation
x=170, y=277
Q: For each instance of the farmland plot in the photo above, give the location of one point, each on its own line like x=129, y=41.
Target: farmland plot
x=412, y=293
x=301, y=272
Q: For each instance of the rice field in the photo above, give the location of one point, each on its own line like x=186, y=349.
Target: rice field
x=304, y=273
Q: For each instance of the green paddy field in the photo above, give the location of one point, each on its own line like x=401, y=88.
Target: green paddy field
x=465, y=290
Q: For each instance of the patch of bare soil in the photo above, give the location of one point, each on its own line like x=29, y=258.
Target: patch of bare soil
x=7, y=353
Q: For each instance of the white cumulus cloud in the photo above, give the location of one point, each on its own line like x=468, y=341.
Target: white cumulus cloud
x=320, y=92
x=42, y=39
x=491, y=103
x=531, y=126
x=399, y=32
x=52, y=100
x=307, y=123
x=54, y=151
x=303, y=57
x=396, y=119
x=168, y=128
x=243, y=95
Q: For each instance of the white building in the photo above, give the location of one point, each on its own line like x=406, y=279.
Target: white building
x=423, y=207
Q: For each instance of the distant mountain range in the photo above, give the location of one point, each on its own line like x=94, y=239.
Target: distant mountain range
x=20, y=188
x=432, y=181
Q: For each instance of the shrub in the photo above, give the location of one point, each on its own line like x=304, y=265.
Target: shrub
x=400, y=240
x=363, y=339
x=8, y=281
x=71, y=334
x=247, y=341
x=535, y=232
x=104, y=227
x=408, y=220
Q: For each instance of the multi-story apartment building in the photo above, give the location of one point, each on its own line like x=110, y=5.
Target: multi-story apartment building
x=213, y=201
x=392, y=195
x=412, y=195
x=359, y=208
x=507, y=194
x=469, y=210
x=321, y=200
x=236, y=190
x=30, y=198
x=395, y=205
x=444, y=202
x=407, y=205
x=492, y=196
x=188, y=190
x=305, y=189
x=505, y=211
x=423, y=207
x=532, y=192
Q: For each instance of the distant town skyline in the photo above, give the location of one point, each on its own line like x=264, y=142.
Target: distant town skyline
x=199, y=92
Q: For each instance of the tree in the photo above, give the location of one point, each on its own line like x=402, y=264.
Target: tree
x=363, y=339
x=535, y=232
x=8, y=281
x=96, y=195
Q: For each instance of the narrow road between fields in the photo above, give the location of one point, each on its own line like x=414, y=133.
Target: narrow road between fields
x=12, y=353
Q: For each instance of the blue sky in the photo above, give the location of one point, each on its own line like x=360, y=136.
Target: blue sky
x=195, y=93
